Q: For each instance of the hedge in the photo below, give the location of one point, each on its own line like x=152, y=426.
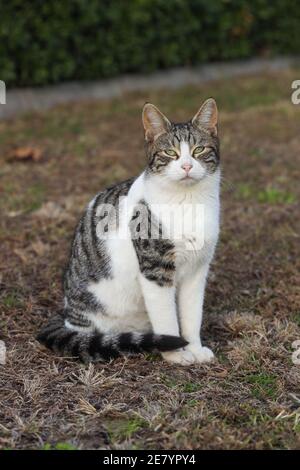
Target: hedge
x=56, y=40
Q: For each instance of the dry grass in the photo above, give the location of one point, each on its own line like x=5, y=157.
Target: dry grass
x=250, y=397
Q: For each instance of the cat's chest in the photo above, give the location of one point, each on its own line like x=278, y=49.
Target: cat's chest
x=195, y=248
x=193, y=228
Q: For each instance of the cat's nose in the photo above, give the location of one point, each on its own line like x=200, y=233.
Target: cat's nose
x=187, y=167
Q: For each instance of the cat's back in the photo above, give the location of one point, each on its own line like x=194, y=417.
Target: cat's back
x=111, y=195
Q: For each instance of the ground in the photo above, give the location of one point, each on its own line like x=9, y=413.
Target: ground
x=250, y=397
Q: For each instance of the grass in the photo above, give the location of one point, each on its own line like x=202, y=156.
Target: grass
x=249, y=398
x=29, y=200
x=12, y=300
x=125, y=429
x=275, y=196
x=190, y=387
x=269, y=195
x=58, y=446
x=296, y=318
x=263, y=385
x=185, y=387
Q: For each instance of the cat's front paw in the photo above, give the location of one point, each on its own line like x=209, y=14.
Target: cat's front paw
x=181, y=356
x=201, y=353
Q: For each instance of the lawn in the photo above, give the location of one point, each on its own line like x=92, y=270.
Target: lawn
x=250, y=397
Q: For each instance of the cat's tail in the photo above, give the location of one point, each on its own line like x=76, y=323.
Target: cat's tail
x=93, y=346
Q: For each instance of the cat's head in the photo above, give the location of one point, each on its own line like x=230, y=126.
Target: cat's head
x=183, y=153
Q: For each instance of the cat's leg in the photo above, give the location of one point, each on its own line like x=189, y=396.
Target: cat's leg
x=157, y=270
x=190, y=305
x=161, y=307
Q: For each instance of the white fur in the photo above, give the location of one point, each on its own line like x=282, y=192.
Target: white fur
x=131, y=302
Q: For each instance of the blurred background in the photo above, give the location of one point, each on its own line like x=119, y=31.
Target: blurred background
x=44, y=42
x=53, y=161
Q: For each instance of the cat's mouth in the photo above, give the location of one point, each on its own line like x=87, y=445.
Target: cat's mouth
x=187, y=178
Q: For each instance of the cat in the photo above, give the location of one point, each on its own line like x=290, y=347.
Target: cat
x=135, y=282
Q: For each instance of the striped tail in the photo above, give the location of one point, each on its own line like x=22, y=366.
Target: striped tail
x=95, y=346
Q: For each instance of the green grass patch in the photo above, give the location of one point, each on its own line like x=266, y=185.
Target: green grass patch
x=275, y=196
x=297, y=428
x=262, y=385
x=296, y=318
x=190, y=387
x=58, y=446
x=186, y=387
x=245, y=191
x=123, y=429
x=170, y=382
x=153, y=357
x=12, y=300
x=270, y=195
x=192, y=403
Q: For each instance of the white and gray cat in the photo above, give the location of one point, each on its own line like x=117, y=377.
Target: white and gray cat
x=140, y=256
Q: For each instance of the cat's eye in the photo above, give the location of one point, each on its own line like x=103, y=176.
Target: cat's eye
x=199, y=150
x=171, y=153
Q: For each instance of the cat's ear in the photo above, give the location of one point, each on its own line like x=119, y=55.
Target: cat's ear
x=207, y=116
x=155, y=123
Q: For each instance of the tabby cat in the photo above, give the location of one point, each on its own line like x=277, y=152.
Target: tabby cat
x=141, y=253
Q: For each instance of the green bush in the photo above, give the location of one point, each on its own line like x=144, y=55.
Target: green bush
x=50, y=41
